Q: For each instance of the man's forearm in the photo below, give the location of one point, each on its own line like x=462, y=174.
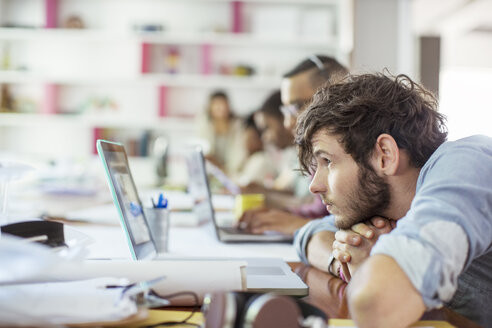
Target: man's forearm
x=381, y=295
x=319, y=249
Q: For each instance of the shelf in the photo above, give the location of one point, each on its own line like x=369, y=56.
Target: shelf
x=187, y=80
x=177, y=80
x=91, y=121
x=25, y=77
x=222, y=39
x=30, y=120
x=58, y=34
x=67, y=68
x=237, y=39
x=112, y=121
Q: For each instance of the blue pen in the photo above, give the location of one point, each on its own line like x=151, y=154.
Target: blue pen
x=162, y=202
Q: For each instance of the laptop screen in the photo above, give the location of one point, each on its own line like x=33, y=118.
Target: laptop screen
x=125, y=197
x=198, y=187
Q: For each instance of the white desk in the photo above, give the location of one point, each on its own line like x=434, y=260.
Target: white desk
x=109, y=240
x=201, y=241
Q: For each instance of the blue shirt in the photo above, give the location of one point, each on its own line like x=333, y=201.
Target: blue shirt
x=444, y=242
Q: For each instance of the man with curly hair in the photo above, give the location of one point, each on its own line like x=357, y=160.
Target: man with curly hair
x=377, y=148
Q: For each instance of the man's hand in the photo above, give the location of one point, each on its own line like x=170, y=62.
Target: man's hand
x=320, y=248
x=352, y=247
x=261, y=220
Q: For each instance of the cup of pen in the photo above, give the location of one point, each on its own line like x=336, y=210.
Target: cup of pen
x=158, y=220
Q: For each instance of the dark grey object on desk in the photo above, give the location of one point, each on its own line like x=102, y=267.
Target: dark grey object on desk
x=43, y=232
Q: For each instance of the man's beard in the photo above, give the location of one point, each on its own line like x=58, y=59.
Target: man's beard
x=370, y=198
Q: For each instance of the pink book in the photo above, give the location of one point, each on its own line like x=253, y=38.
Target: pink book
x=145, y=58
x=51, y=10
x=97, y=133
x=237, y=16
x=162, y=101
x=50, y=99
x=206, y=59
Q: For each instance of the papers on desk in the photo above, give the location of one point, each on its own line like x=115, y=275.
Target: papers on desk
x=58, y=303
x=32, y=263
x=23, y=261
x=198, y=276
x=23, y=303
x=38, y=287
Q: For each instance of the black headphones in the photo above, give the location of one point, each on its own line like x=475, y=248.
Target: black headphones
x=251, y=310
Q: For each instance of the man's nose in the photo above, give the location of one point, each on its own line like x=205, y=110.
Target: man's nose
x=318, y=183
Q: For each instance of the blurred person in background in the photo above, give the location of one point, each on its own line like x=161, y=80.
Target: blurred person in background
x=223, y=133
x=278, y=144
x=297, y=88
x=256, y=167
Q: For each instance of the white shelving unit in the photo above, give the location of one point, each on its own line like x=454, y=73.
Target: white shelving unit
x=227, y=39
x=59, y=71
x=150, y=79
x=91, y=121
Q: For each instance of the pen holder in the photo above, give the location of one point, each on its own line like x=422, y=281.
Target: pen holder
x=158, y=220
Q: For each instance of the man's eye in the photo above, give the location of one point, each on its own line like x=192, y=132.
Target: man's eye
x=326, y=161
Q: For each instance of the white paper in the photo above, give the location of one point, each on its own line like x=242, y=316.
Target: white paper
x=22, y=261
x=201, y=277
x=13, y=170
x=64, y=302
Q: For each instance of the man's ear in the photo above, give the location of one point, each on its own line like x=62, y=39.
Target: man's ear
x=386, y=155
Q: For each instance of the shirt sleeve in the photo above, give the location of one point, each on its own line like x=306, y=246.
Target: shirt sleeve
x=448, y=225
x=304, y=234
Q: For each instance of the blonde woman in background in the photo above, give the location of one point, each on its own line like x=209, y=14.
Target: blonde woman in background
x=223, y=133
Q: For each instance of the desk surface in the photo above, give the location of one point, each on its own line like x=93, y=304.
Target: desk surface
x=325, y=291
x=328, y=293
x=108, y=241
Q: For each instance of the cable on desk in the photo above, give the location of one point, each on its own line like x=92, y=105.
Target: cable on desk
x=185, y=320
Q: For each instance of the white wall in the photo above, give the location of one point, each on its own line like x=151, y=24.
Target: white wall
x=466, y=83
x=383, y=36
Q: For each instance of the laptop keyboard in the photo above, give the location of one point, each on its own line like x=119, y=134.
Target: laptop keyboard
x=235, y=230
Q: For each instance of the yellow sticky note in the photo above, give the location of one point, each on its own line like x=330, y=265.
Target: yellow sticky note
x=247, y=202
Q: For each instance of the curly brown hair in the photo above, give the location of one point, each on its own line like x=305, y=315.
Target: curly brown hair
x=359, y=108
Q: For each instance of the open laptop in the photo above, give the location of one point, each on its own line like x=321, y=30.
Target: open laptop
x=262, y=274
x=199, y=189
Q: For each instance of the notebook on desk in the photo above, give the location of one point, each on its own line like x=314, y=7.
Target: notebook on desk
x=262, y=275
x=199, y=189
